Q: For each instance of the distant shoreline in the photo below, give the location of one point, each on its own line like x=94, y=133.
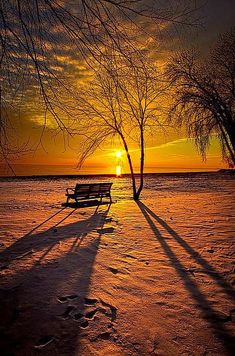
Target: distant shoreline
x=94, y=176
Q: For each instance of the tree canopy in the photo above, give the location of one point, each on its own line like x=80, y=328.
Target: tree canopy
x=204, y=95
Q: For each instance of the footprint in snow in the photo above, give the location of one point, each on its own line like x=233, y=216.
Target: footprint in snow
x=66, y=298
x=104, y=336
x=106, y=230
x=67, y=313
x=90, y=314
x=44, y=341
x=113, y=270
x=84, y=313
x=84, y=324
x=77, y=316
x=132, y=257
x=90, y=301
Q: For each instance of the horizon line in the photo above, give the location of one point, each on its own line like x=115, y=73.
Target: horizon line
x=109, y=174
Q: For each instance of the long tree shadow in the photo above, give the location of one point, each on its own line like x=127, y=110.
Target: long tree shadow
x=44, y=309
x=207, y=267
x=208, y=313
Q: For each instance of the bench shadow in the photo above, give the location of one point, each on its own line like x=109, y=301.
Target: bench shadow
x=209, y=314
x=43, y=222
x=45, y=304
x=31, y=243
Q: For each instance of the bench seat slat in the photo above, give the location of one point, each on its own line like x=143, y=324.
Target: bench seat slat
x=89, y=191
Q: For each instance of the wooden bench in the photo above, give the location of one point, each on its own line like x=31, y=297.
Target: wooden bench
x=89, y=192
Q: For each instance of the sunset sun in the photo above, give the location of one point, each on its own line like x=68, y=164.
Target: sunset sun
x=118, y=154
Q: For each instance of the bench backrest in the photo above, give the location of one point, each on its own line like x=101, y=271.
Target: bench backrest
x=92, y=190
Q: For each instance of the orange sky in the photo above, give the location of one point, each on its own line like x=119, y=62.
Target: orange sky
x=174, y=152
x=175, y=156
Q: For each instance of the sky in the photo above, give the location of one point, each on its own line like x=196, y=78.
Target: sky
x=48, y=149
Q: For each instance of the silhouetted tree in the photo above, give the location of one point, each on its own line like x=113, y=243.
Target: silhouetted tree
x=123, y=100
x=204, y=95
x=35, y=34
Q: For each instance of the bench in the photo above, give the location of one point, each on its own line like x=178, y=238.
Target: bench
x=89, y=192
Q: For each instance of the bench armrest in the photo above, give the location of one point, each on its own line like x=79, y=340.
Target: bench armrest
x=70, y=190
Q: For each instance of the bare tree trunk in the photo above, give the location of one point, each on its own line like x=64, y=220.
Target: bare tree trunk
x=141, y=164
x=231, y=134
x=130, y=165
x=230, y=149
x=229, y=127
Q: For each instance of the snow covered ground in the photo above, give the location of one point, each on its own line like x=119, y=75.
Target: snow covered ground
x=153, y=278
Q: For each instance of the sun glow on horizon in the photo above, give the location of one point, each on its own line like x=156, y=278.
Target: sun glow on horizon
x=118, y=155
x=118, y=171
